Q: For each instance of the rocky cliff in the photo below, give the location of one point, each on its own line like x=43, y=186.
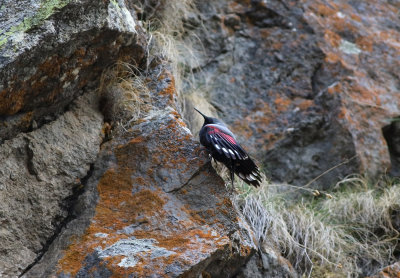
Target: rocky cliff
x=79, y=199
x=101, y=176
x=307, y=84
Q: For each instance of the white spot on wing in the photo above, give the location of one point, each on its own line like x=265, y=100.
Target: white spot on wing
x=242, y=176
x=224, y=150
x=231, y=151
x=217, y=146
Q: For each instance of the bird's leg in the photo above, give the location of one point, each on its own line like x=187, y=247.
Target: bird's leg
x=232, y=176
x=232, y=179
x=215, y=161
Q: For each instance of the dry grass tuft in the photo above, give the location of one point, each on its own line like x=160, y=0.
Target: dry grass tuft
x=169, y=25
x=352, y=233
x=125, y=97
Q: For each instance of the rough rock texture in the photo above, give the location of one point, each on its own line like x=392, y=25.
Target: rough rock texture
x=39, y=172
x=306, y=84
x=149, y=205
x=268, y=263
x=392, y=271
x=161, y=209
x=52, y=50
x=50, y=53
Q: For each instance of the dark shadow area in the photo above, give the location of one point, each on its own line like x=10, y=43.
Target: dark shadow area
x=391, y=133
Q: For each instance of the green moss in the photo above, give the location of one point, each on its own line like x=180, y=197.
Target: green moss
x=47, y=8
x=3, y=41
x=115, y=3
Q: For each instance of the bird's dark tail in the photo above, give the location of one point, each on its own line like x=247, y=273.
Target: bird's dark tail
x=248, y=171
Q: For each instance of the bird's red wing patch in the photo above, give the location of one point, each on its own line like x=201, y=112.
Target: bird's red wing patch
x=228, y=138
x=214, y=130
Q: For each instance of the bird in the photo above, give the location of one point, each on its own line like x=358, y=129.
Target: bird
x=216, y=137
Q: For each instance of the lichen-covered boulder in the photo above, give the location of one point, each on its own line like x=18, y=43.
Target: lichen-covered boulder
x=50, y=51
x=153, y=207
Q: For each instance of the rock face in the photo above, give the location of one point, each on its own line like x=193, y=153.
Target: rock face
x=50, y=53
x=41, y=170
x=268, y=263
x=146, y=202
x=389, y=271
x=306, y=84
x=51, y=50
x=161, y=209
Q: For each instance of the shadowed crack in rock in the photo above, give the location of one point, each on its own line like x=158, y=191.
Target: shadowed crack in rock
x=69, y=205
x=201, y=169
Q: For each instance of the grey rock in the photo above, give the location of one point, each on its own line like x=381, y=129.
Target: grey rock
x=268, y=263
x=50, y=51
x=40, y=171
x=133, y=221
x=293, y=85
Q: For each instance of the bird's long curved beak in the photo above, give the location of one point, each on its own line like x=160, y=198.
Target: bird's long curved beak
x=201, y=113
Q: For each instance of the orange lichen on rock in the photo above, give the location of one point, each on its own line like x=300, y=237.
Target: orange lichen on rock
x=282, y=104
x=170, y=90
x=324, y=10
x=132, y=208
x=337, y=88
x=365, y=43
x=304, y=104
x=135, y=140
x=332, y=38
x=11, y=101
x=243, y=128
x=364, y=95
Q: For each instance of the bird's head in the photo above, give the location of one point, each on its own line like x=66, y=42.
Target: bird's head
x=209, y=120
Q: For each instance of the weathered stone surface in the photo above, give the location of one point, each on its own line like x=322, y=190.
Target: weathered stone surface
x=392, y=271
x=306, y=84
x=161, y=210
x=360, y=40
x=40, y=170
x=267, y=264
x=51, y=50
